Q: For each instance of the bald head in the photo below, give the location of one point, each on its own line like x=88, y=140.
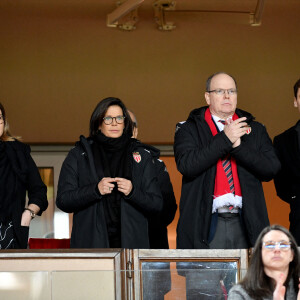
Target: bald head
x=222, y=105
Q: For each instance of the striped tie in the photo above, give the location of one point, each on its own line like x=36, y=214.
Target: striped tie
x=227, y=168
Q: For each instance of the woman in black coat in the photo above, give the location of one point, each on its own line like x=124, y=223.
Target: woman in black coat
x=108, y=181
x=18, y=174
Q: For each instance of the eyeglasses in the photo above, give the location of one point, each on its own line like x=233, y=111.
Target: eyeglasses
x=271, y=246
x=221, y=92
x=109, y=120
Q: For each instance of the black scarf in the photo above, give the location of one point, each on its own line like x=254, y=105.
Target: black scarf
x=7, y=186
x=112, y=159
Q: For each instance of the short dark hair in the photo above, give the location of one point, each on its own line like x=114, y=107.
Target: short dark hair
x=100, y=111
x=257, y=284
x=208, y=81
x=296, y=87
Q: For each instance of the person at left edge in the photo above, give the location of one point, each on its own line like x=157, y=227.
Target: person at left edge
x=109, y=183
x=18, y=175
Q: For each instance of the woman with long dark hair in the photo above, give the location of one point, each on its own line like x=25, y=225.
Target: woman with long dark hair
x=273, y=271
x=108, y=181
x=18, y=175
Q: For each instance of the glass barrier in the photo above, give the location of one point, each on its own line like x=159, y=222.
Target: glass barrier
x=116, y=274
x=175, y=281
x=161, y=283
x=25, y=285
x=67, y=285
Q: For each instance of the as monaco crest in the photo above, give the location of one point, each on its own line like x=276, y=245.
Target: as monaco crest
x=248, y=130
x=137, y=157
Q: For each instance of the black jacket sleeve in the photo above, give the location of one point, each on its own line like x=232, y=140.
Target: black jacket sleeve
x=72, y=197
x=169, y=202
x=258, y=155
x=282, y=179
x=287, y=179
x=28, y=173
x=37, y=190
x=193, y=157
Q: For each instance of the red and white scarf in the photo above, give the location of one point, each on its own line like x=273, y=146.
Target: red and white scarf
x=222, y=194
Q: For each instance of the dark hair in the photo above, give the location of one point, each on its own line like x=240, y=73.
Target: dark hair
x=100, y=111
x=208, y=81
x=257, y=284
x=296, y=87
x=6, y=136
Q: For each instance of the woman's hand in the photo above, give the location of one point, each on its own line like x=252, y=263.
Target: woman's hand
x=105, y=186
x=26, y=216
x=124, y=185
x=279, y=291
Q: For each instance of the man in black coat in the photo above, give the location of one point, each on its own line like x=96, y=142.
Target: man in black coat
x=212, y=214
x=158, y=233
x=287, y=181
x=156, y=284
x=223, y=155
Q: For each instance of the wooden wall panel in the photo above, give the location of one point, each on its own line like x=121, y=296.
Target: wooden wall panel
x=58, y=59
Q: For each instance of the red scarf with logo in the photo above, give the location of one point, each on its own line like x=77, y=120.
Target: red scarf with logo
x=222, y=194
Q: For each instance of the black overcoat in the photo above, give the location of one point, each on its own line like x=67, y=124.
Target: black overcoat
x=287, y=181
x=158, y=232
x=77, y=193
x=196, y=153
x=27, y=179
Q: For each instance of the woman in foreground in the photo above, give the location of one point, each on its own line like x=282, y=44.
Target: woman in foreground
x=273, y=271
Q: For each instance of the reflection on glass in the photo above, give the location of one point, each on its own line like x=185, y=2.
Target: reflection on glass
x=156, y=279
x=203, y=279
x=24, y=285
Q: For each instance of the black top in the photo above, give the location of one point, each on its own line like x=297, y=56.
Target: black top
x=27, y=179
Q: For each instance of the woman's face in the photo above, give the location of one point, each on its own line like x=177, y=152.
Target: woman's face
x=1, y=123
x=116, y=127
x=276, y=259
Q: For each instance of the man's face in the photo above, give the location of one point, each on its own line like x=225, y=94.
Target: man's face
x=222, y=106
x=135, y=129
x=297, y=100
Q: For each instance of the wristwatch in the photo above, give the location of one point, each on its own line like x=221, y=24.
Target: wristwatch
x=32, y=213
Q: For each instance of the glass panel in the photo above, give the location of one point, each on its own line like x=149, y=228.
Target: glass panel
x=66, y=285
x=87, y=285
x=188, y=279
x=25, y=285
